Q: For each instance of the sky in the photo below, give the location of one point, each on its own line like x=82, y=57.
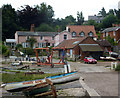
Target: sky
x=65, y=8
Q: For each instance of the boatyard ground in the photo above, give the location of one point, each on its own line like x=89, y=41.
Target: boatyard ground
x=96, y=76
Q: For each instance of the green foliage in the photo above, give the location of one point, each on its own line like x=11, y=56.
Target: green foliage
x=102, y=12
x=18, y=77
x=31, y=41
x=7, y=53
x=117, y=68
x=30, y=51
x=80, y=18
x=99, y=35
x=4, y=49
x=9, y=22
x=111, y=40
x=108, y=21
x=18, y=46
x=45, y=27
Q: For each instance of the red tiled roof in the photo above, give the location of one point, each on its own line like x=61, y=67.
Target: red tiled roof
x=85, y=28
x=71, y=43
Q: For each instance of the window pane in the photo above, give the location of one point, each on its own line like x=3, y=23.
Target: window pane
x=74, y=34
x=65, y=36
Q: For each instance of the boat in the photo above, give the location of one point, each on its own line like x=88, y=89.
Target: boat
x=41, y=89
x=37, y=89
x=19, y=86
x=65, y=77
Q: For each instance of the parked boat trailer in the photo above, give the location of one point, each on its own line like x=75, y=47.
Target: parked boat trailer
x=49, y=60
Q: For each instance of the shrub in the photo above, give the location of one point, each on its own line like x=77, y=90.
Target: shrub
x=4, y=49
x=30, y=51
x=117, y=68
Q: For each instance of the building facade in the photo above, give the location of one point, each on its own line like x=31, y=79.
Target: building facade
x=82, y=31
x=97, y=19
x=113, y=32
x=81, y=47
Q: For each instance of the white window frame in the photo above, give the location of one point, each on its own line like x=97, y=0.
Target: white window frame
x=114, y=33
x=90, y=34
x=114, y=39
x=25, y=45
x=82, y=34
x=40, y=45
x=106, y=33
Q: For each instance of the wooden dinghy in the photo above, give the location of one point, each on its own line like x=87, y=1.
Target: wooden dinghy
x=41, y=89
x=19, y=86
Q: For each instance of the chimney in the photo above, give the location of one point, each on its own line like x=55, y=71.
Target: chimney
x=32, y=29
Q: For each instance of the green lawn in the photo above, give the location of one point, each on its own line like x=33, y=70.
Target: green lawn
x=7, y=78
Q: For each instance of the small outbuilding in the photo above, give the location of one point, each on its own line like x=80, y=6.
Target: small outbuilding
x=77, y=49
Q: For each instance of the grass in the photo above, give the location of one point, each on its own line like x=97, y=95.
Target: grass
x=18, y=77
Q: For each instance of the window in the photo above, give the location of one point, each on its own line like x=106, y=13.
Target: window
x=69, y=30
x=90, y=33
x=27, y=37
x=41, y=37
x=114, y=33
x=114, y=39
x=53, y=45
x=73, y=33
x=82, y=34
x=104, y=34
x=52, y=37
x=40, y=45
x=25, y=45
x=65, y=36
x=107, y=34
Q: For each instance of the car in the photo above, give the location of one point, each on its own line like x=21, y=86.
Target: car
x=90, y=60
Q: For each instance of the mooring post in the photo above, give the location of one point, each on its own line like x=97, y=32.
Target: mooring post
x=69, y=68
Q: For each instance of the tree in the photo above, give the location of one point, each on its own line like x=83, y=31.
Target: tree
x=102, y=12
x=46, y=12
x=108, y=21
x=31, y=41
x=45, y=27
x=9, y=22
x=118, y=15
x=27, y=16
x=18, y=46
x=111, y=11
x=80, y=18
x=111, y=40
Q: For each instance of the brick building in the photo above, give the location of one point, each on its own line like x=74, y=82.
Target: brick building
x=43, y=38
x=113, y=32
x=81, y=47
x=82, y=31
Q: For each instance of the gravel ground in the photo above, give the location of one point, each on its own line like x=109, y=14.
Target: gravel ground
x=97, y=76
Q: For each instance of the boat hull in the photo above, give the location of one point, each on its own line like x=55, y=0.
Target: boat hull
x=19, y=86
x=37, y=90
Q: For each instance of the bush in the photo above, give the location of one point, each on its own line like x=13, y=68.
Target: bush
x=18, y=46
x=7, y=53
x=118, y=68
x=30, y=51
x=4, y=49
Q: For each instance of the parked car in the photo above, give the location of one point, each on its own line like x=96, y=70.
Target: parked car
x=90, y=60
